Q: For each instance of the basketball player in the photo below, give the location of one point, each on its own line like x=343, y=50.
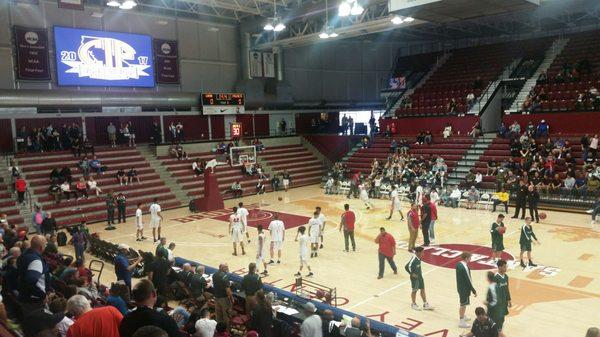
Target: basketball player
x=314, y=230
x=235, y=230
x=243, y=213
x=139, y=224
x=286, y=180
x=155, y=219
x=260, y=250
x=503, y=293
x=395, y=204
x=491, y=298
x=527, y=235
x=364, y=195
x=302, y=239
x=277, y=229
x=464, y=285
x=413, y=267
x=322, y=220
x=497, y=237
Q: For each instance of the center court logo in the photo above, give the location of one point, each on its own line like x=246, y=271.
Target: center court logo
x=448, y=255
x=105, y=58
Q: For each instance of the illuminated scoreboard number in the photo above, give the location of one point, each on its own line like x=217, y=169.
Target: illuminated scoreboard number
x=223, y=99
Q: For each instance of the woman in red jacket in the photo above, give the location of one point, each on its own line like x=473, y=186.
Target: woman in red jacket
x=20, y=187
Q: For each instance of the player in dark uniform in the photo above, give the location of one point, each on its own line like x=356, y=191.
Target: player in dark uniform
x=503, y=293
x=497, y=237
x=483, y=326
x=527, y=236
x=413, y=268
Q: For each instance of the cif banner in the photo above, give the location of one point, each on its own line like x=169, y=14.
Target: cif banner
x=32, y=53
x=166, y=61
x=98, y=58
x=269, y=64
x=255, y=64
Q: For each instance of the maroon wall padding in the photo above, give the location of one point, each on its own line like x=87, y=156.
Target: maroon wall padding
x=304, y=122
x=333, y=147
x=31, y=123
x=261, y=125
x=565, y=122
x=142, y=125
x=217, y=125
x=195, y=127
x=6, y=136
x=412, y=126
x=247, y=127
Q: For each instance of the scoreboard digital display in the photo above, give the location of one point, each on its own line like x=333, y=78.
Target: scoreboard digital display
x=222, y=103
x=222, y=99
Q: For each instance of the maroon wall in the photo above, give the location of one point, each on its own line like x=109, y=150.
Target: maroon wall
x=412, y=126
x=6, y=136
x=142, y=125
x=261, y=125
x=333, y=147
x=246, y=121
x=568, y=122
x=195, y=127
x=217, y=126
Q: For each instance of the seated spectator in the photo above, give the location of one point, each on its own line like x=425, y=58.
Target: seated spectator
x=447, y=131
x=428, y=138
x=81, y=189
x=197, y=168
x=116, y=297
x=470, y=178
x=260, y=187
x=65, y=174
x=132, y=175
x=236, y=189
x=365, y=143
x=88, y=320
x=221, y=330
x=258, y=145
x=354, y=329
x=502, y=130
x=54, y=175
x=121, y=177
x=178, y=152
x=492, y=167
x=470, y=100
x=478, y=83
x=454, y=197
x=87, y=147
x=65, y=187
x=55, y=190
x=452, y=107
x=96, y=166
x=514, y=130
x=420, y=138
x=275, y=182
x=478, y=179
x=58, y=306
x=76, y=147
x=40, y=323
x=205, y=326
x=84, y=165
x=472, y=197
x=501, y=197
x=394, y=146
x=543, y=78
x=93, y=186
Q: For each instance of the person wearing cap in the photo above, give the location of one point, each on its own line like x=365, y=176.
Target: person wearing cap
x=122, y=267
x=97, y=322
x=312, y=326
x=33, y=275
x=40, y=323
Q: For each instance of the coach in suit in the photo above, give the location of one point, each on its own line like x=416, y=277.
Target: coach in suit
x=521, y=200
x=533, y=197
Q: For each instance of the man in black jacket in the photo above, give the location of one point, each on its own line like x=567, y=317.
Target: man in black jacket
x=521, y=200
x=533, y=197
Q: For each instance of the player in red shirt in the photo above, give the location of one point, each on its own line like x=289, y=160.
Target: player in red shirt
x=347, y=224
x=387, y=250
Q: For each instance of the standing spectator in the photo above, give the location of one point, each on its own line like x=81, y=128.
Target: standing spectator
x=21, y=188
x=111, y=130
x=79, y=243
x=33, y=275
x=593, y=148
x=121, y=208
x=434, y=217
x=156, y=134
x=464, y=285
x=38, y=218
x=251, y=283
x=49, y=225
x=144, y=314
x=110, y=210
x=413, y=225
x=159, y=271
x=84, y=165
x=521, y=200
x=543, y=129
x=347, y=222
x=205, y=326
x=387, y=250
x=122, y=267
x=131, y=134
x=262, y=315
x=533, y=198
x=425, y=220
x=585, y=146
x=312, y=324
x=223, y=295
x=97, y=322
x=116, y=296
x=470, y=100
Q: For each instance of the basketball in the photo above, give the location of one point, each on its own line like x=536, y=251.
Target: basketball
x=542, y=216
x=280, y=198
x=501, y=230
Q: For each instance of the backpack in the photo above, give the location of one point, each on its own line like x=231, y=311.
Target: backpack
x=39, y=218
x=61, y=239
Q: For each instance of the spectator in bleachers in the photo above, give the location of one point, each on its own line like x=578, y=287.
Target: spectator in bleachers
x=179, y=133
x=177, y=151
x=475, y=130
x=543, y=129
x=428, y=138
x=197, y=168
x=236, y=189
x=21, y=188
x=131, y=132
x=502, y=130
x=37, y=218
x=470, y=100
x=452, y=107
x=111, y=130
x=88, y=321
x=514, y=130
x=447, y=130
x=478, y=83
x=84, y=165
x=492, y=167
x=454, y=197
x=81, y=189
x=132, y=175
x=93, y=185
x=260, y=187
x=97, y=166
x=472, y=197
x=76, y=147
x=33, y=274
x=258, y=145
x=542, y=78
x=121, y=176
x=56, y=191
x=123, y=268
x=121, y=208
x=275, y=182
x=593, y=147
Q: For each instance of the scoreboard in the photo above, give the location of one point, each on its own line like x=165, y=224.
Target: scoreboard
x=222, y=103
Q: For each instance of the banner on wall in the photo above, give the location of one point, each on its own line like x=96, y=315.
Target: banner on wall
x=269, y=64
x=255, y=64
x=71, y=4
x=398, y=82
x=166, y=61
x=30, y=2
x=97, y=58
x=32, y=53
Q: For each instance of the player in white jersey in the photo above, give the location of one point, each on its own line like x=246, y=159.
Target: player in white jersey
x=155, y=219
x=302, y=239
x=314, y=231
x=277, y=229
x=395, y=203
x=364, y=195
x=419, y=192
x=139, y=224
x=235, y=230
x=322, y=220
x=243, y=212
x=260, y=249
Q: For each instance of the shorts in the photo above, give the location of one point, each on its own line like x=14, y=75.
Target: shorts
x=497, y=316
x=314, y=238
x=155, y=223
x=464, y=298
x=304, y=258
x=112, y=136
x=276, y=245
x=497, y=246
x=525, y=247
x=139, y=225
x=236, y=234
x=396, y=206
x=417, y=283
x=286, y=182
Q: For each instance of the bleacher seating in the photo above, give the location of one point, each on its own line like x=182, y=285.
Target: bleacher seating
x=303, y=167
x=8, y=206
x=36, y=168
x=452, y=149
x=563, y=96
x=455, y=78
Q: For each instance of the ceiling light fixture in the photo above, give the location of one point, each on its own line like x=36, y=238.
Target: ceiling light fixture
x=350, y=7
x=324, y=35
x=113, y=3
x=409, y=19
x=327, y=31
x=279, y=27
x=344, y=9
x=275, y=24
x=356, y=9
x=396, y=20
x=269, y=27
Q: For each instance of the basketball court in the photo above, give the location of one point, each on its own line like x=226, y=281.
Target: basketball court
x=561, y=295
